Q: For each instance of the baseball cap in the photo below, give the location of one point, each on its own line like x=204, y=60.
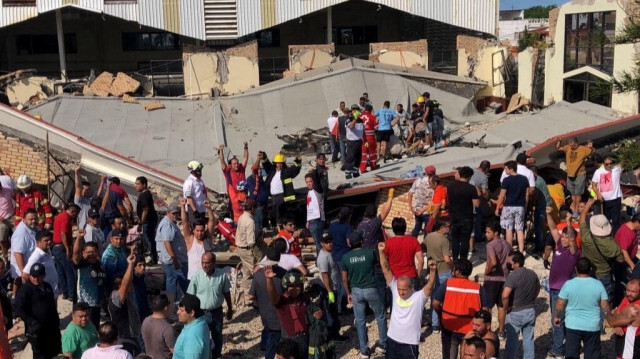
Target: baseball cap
x=93, y=212
x=191, y=302
x=272, y=257
x=430, y=170
x=37, y=270
x=119, y=233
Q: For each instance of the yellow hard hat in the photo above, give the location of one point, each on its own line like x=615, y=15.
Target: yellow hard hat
x=278, y=158
x=420, y=99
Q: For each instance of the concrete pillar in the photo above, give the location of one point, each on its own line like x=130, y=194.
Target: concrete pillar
x=61, y=51
x=329, y=25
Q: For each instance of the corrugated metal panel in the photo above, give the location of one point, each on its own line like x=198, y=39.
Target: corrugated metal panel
x=192, y=19
x=220, y=19
x=127, y=11
x=48, y=5
x=171, y=15
x=150, y=13
x=15, y=14
x=288, y=10
x=470, y=14
x=268, y=11
x=249, y=16
x=92, y=5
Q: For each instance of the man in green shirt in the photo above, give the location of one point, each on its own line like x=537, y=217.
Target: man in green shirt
x=360, y=284
x=212, y=287
x=598, y=246
x=80, y=334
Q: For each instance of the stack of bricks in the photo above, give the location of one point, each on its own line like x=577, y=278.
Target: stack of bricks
x=399, y=207
x=18, y=158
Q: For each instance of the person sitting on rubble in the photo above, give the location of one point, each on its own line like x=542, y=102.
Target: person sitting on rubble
x=234, y=173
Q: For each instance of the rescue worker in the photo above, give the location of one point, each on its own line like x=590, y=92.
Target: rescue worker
x=234, y=174
x=457, y=301
x=280, y=181
x=195, y=192
x=369, y=145
x=26, y=198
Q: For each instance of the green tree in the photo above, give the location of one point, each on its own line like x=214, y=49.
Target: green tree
x=628, y=80
x=538, y=12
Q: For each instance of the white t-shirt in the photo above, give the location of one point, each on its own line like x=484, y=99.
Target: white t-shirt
x=194, y=187
x=332, y=122
x=112, y=352
x=289, y=261
x=522, y=170
x=406, y=316
x=23, y=241
x=315, y=205
x=608, y=182
x=276, y=184
x=44, y=258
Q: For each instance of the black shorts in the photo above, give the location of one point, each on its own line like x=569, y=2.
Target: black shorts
x=493, y=293
x=384, y=136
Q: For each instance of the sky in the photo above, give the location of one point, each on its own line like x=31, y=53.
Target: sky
x=525, y=4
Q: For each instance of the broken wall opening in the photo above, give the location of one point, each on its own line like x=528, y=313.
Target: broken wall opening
x=410, y=54
x=308, y=57
x=215, y=73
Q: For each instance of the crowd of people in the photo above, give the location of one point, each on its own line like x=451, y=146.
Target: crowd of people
x=95, y=251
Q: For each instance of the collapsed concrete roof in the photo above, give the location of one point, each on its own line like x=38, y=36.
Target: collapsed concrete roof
x=167, y=139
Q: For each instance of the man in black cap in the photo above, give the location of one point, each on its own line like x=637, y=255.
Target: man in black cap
x=93, y=232
x=359, y=282
x=36, y=305
x=271, y=331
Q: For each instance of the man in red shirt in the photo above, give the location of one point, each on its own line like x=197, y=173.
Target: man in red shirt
x=627, y=239
x=63, y=249
x=234, y=173
x=404, y=253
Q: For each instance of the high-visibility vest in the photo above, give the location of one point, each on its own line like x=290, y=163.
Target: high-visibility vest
x=460, y=304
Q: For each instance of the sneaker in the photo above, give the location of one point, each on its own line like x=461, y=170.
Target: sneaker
x=381, y=350
x=502, y=336
x=365, y=354
x=469, y=255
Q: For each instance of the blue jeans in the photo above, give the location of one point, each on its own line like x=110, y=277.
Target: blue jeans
x=557, y=333
x=421, y=221
x=440, y=279
x=478, y=231
x=258, y=219
x=342, y=294
x=361, y=297
x=66, y=273
x=590, y=341
x=335, y=148
x=270, y=339
x=607, y=282
x=397, y=350
x=175, y=278
x=214, y=320
x=521, y=321
x=149, y=235
x=316, y=227
x=343, y=152
x=381, y=286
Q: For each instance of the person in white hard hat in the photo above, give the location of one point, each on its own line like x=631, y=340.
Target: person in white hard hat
x=195, y=192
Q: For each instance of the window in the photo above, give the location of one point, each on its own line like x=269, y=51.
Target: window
x=19, y=3
x=45, y=44
x=589, y=41
x=269, y=38
x=357, y=35
x=586, y=87
x=150, y=41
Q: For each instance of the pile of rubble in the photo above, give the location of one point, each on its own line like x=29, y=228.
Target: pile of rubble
x=106, y=85
x=306, y=142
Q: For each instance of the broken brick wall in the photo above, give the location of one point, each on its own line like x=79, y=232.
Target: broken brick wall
x=553, y=22
x=471, y=44
x=223, y=72
x=306, y=57
x=484, y=60
x=21, y=158
x=399, y=206
x=405, y=53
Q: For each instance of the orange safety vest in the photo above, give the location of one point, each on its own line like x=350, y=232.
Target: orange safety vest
x=461, y=301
